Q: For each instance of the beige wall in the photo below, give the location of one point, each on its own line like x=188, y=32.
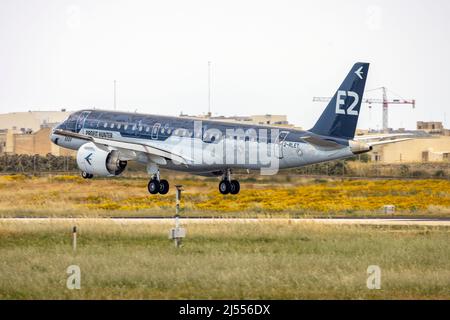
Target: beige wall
x=412, y=150
x=9, y=142
x=24, y=144
x=2, y=141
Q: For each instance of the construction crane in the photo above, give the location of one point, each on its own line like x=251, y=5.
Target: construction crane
x=384, y=101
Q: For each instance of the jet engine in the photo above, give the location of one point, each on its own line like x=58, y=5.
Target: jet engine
x=96, y=161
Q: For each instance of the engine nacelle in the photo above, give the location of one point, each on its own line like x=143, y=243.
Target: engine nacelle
x=99, y=162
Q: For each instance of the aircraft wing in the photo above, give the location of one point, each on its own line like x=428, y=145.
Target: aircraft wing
x=126, y=146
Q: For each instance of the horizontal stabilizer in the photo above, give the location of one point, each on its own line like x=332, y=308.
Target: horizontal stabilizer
x=377, y=143
x=321, y=142
x=382, y=136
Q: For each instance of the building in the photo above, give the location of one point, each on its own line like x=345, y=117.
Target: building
x=429, y=126
x=29, y=132
x=426, y=149
x=30, y=143
x=32, y=121
x=433, y=127
x=267, y=119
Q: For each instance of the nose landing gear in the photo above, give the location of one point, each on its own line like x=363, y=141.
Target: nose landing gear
x=227, y=185
x=86, y=175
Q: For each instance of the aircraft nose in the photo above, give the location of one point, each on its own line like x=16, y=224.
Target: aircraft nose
x=53, y=137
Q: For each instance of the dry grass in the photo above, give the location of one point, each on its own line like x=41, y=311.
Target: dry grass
x=232, y=261
x=128, y=196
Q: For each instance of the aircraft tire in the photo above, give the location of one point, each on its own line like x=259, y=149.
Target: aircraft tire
x=235, y=187
x=153, y=186
x=163, y=186
x=86, y=175
x=224, y=187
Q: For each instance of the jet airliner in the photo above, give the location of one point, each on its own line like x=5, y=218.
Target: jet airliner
x=107, y=140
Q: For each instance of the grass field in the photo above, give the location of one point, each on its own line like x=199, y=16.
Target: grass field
x=233, y=261
x=281, y=196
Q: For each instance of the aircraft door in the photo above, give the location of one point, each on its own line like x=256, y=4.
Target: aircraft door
x=155, y=130
x=279, y=144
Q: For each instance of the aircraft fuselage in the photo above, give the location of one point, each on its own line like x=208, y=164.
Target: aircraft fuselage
x=219, y=144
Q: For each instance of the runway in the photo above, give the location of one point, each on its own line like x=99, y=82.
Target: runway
x=186, y=221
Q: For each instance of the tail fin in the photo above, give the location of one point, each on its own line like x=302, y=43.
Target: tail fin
x=341, y=114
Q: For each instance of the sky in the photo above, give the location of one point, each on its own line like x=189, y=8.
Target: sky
x=268, y=57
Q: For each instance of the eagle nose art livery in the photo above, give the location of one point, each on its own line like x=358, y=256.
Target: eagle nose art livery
x=106, y=141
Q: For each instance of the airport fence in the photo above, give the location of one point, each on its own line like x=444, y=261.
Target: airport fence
x=36, y=164
x=20, y=163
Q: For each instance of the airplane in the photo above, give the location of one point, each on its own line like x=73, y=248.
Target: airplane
x=107, y=140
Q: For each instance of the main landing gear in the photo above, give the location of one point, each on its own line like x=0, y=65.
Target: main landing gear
x=157, y=185
x=227, y=185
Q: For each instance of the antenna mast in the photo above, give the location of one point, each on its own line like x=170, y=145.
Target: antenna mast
x=209, y=89
x=115, y=95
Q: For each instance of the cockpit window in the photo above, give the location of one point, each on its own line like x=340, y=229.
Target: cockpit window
x=74, y=116
x=71, y=122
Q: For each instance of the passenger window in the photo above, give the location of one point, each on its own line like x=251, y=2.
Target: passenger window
x=105, y=125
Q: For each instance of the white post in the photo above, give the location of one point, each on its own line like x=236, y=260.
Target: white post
x=74, y=239
x=177, y=215
x=177, y=234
